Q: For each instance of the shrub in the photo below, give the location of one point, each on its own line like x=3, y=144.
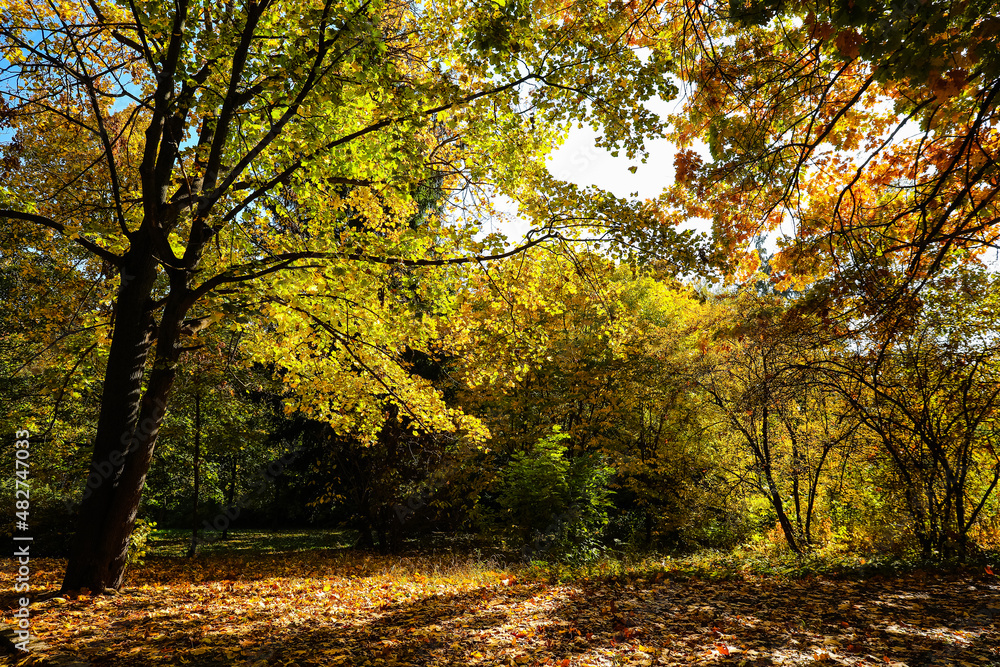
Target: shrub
x=138, y=541
x=553, y=505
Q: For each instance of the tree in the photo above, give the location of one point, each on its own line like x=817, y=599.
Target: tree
x=551, y=505
x=932, y=400
x=219, y=418
x=575, y=341
x=761, y=379
x=192, y=150
x=49, y=357
x=864, y=132
x=384, y=487
x=746, y=390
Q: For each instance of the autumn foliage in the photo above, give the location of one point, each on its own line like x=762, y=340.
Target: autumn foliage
x=251, y=279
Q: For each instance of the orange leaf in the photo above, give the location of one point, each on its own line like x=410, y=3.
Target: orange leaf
x=847, y=43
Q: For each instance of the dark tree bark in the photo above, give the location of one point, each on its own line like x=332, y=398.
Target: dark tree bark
x=126, y=434
x=764, y=460
x=193, y=548
x=231, y=493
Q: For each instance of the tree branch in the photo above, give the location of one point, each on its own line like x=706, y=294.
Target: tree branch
x=87, y=244
x=286, y=261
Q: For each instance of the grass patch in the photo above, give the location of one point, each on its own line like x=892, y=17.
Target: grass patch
x=174, y=542
x=707, y=565
x=712, y=565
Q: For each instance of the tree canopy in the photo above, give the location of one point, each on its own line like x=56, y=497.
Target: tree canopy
x=862, y=134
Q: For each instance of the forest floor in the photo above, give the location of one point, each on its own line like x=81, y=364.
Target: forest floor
x=339, y=607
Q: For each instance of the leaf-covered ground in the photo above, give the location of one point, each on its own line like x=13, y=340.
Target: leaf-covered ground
x=338, y=608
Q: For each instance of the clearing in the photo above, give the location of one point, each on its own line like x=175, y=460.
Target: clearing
x=329, y=606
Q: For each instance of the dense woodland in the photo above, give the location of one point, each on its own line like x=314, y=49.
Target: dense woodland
x=604, y=407
x=246, y=281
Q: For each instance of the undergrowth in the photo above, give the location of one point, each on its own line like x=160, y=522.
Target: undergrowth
x=740, y=563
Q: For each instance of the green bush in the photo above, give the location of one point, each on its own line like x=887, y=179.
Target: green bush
x=138, y=541
x=555, y=506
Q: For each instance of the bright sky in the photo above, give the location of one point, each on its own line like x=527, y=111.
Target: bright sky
x=579, y=161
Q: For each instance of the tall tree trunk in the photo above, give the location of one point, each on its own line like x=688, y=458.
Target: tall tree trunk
x=797, y=465
x=124, y=427
x=128, y=424
x=813, y=488
x=192, y=550
x=230, y=495
x=775, y=496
